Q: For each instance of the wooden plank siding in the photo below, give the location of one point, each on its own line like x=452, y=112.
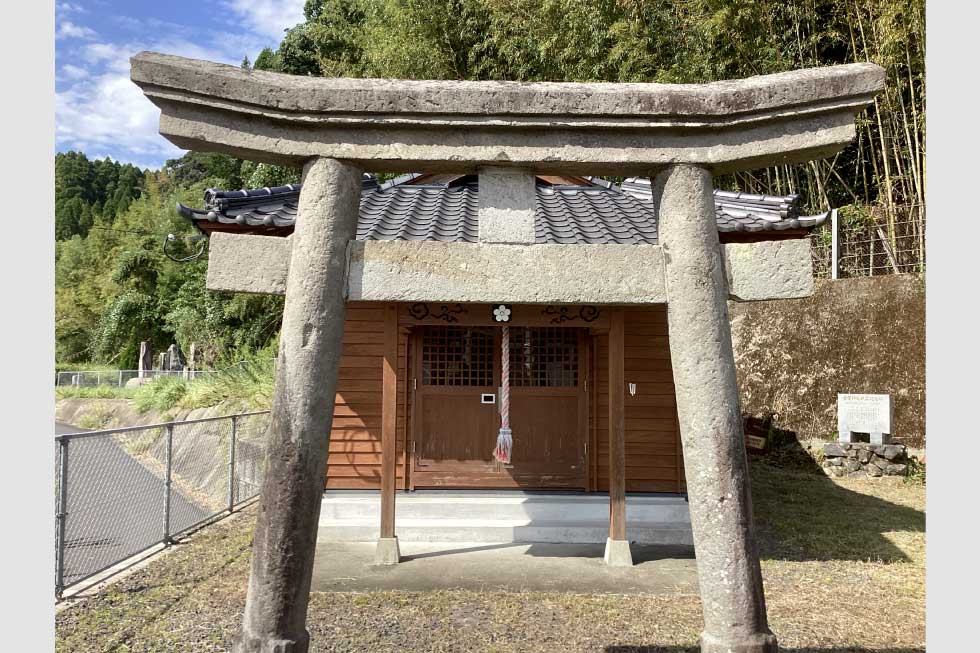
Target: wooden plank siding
x=653, y=454
x=354, y=460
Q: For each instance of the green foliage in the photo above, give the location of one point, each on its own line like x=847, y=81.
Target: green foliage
x=94, y=392
x=115, y=288
x=246, y=384
x=88, y=192
x=260, y=175
x=161, y=394
x=916, y=472
x=214, y=170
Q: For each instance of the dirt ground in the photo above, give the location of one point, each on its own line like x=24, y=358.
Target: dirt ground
x=843, y=562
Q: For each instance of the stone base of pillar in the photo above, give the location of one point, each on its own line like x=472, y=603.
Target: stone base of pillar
x=242, y=644
x=618, y=553
x=758, y=643
x=387, y=552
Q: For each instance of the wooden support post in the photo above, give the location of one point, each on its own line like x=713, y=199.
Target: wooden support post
x=387, y=551
x=617, y=546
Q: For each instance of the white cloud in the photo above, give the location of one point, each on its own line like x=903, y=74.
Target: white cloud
x=73, y=73
x=107, y=112
x=70, y=8
x=269, y=17
x=68, y=30
x=98, y=108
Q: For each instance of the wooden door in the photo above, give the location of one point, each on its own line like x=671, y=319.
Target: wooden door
x=456, y=368
x=455, y=432
x=548, y=412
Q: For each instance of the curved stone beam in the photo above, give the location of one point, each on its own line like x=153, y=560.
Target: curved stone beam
x=595, y=128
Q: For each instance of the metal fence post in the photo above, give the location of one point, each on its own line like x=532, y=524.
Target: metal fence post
x=166, y=484
x=231, y=464
x=120, y=379
x=61, y=518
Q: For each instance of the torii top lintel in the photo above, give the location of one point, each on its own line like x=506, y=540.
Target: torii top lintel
x=581, y=128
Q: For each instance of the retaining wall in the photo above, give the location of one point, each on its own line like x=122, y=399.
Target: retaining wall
x=862, y=335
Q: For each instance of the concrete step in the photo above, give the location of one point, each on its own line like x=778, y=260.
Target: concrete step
x=489, y=516
x=469, y=530
x=533, y=507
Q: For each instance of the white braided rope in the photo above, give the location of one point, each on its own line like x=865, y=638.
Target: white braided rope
x=505, y=379
x=505, y=443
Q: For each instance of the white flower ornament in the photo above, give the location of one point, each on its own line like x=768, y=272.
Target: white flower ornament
x=501, y=313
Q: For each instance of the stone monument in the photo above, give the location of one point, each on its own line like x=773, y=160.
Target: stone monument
x=871, y=414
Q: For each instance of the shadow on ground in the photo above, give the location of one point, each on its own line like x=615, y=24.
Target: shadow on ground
x=695, y=649
x=802, y=514
x=641, y=552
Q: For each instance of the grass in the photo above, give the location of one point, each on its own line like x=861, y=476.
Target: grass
x=94, y=392
x=246, y=386
x=824, y=543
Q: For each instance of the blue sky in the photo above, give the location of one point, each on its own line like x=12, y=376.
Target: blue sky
x=98, y=110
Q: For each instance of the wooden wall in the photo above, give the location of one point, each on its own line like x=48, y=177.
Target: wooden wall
x=355, y=435
x=653, y=459
x=653, y=452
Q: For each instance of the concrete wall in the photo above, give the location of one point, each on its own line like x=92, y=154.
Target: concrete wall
x=853, y=335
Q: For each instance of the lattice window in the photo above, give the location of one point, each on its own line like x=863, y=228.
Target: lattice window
x=457, y=356
x=543, y=357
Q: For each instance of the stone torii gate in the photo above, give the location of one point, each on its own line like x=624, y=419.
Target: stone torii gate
x=680, y=135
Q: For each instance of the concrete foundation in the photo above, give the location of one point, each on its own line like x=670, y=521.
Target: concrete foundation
x=709, y=414
x=387, y=552
x=504, y=516
x=617, y=553
x=306, y=379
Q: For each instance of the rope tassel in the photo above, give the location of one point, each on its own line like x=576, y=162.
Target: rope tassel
x=505, y=441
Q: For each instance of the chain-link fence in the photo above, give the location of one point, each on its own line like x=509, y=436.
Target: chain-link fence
x=871, y=245
x=118, y=378
x=121, y=491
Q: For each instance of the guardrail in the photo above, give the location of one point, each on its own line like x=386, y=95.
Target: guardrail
x=119, y=492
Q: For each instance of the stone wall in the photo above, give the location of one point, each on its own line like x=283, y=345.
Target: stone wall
x=863, y=459
x=862, y=335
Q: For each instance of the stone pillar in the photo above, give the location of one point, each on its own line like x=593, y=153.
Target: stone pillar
x=302, y=409
x=145, y=361
x=191, y=360
x=710, y=416
x=506, y=205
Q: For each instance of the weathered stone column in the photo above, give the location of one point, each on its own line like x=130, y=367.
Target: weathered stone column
x=302, y=408
x=710, y=416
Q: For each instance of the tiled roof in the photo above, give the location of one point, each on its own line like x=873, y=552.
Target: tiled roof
x=598, y=213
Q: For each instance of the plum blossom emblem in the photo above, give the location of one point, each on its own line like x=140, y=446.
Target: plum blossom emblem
x=501, y=313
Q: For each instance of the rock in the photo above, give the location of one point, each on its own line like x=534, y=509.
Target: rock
x=833, y=449
x=852, y=453
x=864, y=456
x=897, y=469
x=893, y=451
x=873, y=471
x=880, y=463
x=857, y=474
x=137, y=382
x=852, y=466
x=837, y=471
x=835, y=462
